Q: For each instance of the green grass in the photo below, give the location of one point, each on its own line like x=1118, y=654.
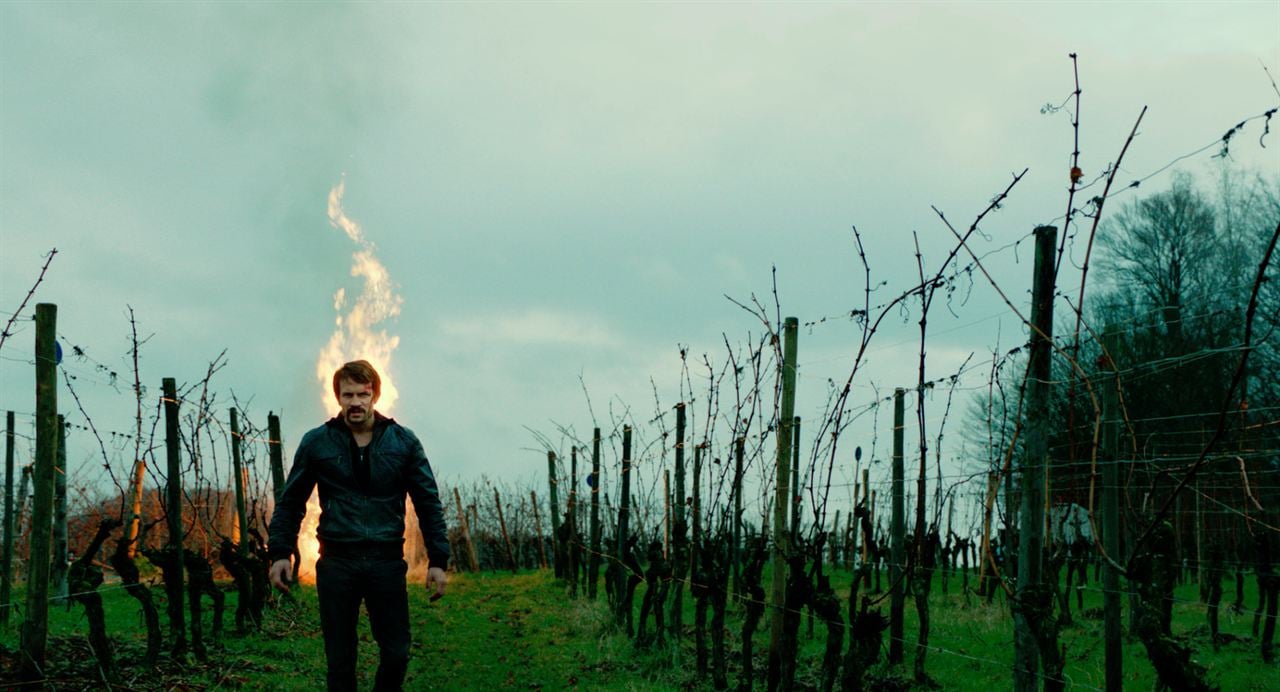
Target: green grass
x=976, y=641
x=492, y=631
x=503, y=631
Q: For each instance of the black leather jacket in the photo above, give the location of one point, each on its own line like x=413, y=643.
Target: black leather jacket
x=356, y=508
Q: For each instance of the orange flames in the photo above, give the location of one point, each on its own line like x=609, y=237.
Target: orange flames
x=355, y=336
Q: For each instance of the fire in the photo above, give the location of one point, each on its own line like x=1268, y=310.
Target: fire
x=355, y=336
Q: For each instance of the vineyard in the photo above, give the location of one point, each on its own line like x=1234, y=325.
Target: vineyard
x=1097, y=506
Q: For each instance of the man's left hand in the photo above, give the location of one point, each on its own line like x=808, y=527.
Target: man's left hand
x=436, y=579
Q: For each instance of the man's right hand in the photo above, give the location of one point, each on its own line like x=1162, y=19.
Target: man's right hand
x=281, y=574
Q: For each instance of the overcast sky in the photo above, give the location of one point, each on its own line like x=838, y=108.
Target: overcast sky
x=559, y=191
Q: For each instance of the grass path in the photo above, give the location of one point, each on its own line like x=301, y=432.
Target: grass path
x=490, y=632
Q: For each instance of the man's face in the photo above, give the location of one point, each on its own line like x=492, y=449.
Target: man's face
x=357, y=401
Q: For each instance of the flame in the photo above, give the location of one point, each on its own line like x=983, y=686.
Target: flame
x=355, y=336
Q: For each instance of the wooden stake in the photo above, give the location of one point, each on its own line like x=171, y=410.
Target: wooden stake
x=795, y=479
x=6, y=557
x=871, y=508
x=35, y=627
x=1113, y=651
x=666, y=514
x=537, y=526
x=1026, y=655
x=173, y=511
x=735, y=550
x=506, y=538
x=237, y=466
x=897, y=529
x=572, y=545
x=275, y=448
x=624, y=528
x=555, y=514
x=24, y=482
x=878, y=536
x=58, y=570
x=135, y=505
x=593, y=562
x=696, y=510
x=679, y=541
x=466, y=533
x=834, y=541
x=782, y=501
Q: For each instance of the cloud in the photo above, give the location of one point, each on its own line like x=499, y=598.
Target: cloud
x=535, y=327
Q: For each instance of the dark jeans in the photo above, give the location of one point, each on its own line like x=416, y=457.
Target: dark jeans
x=342, y=583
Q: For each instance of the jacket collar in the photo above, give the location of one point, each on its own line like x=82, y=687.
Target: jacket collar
x=380, y=422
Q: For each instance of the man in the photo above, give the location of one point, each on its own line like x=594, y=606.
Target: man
x=363, y=463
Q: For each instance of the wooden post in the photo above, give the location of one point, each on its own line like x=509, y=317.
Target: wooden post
x=275, y=447
x=986, y=557
x=135, y=505
x=35, y=627
x=1026, y=655
x=696, y=511
x=506, y=538
x=537, y=527
x=173, y=511
x=695, y=570
x=897, y=529
x=951, y=515
x=1112, y=644
x=466, y=533
x=782, y=501
x=1010, y=566
x=624, y=528
x=875, y=528
x=23, y=482
x=1199, y=538
x=735, y=550
x=666, y=514
x=1177, y=521
x=571, y=545
x=679, y=567
x=58, y=570
x=871, y=509
x=6, y=557
x=834, y=542
x=795, y=479
x=237, y=467
x=553, y=483
x=593, y=562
